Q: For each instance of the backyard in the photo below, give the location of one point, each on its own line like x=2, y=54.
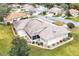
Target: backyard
x=5, y=39
x=71, y=48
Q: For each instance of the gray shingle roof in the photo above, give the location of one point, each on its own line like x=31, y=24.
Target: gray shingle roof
x=44, y=30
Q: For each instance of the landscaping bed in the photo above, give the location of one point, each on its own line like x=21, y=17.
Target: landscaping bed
x=59, y=23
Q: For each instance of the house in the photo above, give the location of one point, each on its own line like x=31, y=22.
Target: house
x=74, y=12
x=38, y=10
x=41, y=33
x=15, y=16
x=55, y=11
x=27, y=8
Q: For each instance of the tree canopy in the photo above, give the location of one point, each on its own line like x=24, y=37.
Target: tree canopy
x=19, y=47
x=4, y=9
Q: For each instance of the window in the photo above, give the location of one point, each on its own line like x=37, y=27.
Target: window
x=35, y=37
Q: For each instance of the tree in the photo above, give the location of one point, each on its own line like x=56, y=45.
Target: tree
x=68, y=13
x=1, y=19
x=3, y=9
x=67, y=10
x=70, y=35
x=19, y=47
x=49, y=5
x=70, y=25
x=74, y=6
x=44, y=13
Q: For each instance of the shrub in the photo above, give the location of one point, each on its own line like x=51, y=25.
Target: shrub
x=8, y=23
x=61, y=41
x=44, y=13
x=70, y=25
x=48, y=46
x=69, y=35
x=33, y=42
x=53, y=44
x=41, y=43
x=1, y=19
x=57, y=42
x=64, y=39
x=38, y=43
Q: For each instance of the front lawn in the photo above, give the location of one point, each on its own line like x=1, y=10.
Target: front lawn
x=5, y=39
x=69, y=49
x=76, y=19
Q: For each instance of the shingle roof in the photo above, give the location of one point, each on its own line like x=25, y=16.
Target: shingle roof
x=44, y=30
x=15, y=15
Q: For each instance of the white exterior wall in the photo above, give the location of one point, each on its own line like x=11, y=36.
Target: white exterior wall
x=50, y=42
x=21, y=33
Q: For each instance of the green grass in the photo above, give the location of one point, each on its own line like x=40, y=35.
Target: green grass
x=5, y=39
x=69, y=49
x=76, y=19
x=59, y=23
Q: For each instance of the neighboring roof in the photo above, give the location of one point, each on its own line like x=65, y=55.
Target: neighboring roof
x=13, y=5
x=39, y=10
x=55, y=10
x=28, y=7
x=74, y=12
x=14, y=15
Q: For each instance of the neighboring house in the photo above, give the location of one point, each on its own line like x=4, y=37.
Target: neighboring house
x=42, y=33
x=74, y=12
x=38, y=10
x=55, y=11
x=15, y=7
x=14, y=16
x=27, y=7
